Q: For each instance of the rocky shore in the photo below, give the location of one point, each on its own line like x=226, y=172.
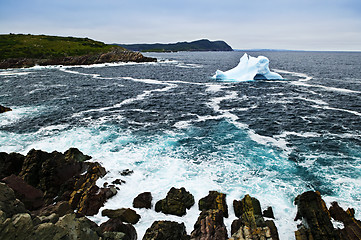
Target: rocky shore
x=4, y=109
x=48, y=196
x=114, y=55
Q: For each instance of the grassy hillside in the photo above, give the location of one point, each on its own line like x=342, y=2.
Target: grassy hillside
x=200, y=45
x=47, y=47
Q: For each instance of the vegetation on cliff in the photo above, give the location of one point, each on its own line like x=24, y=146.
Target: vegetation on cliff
x=199, y=45
x=19, y=50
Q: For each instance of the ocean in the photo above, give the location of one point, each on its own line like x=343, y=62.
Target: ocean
x=175, y=126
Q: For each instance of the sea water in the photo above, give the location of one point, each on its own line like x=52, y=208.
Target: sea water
x=175, y=126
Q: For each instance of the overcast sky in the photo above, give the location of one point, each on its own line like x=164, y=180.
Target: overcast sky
x=276, y=24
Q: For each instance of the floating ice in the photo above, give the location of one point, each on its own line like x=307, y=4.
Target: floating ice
x=249, y=68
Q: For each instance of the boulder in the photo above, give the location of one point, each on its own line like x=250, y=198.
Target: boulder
x=19, y=226
x=124, y=214
x=210, y=226
x=10, y=163
x=176, y=202
x=116, y=225
x=4, y=109
x=166, y=230
x=143, y=200
x=60, y=208
x=9, y=204
x=268, y=213
x=251, y=224
x=30, y=196
x=352, y=226
x=126, y=172
x=214, y=200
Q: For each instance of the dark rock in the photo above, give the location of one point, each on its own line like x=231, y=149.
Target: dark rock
x=143, y=200
x=268, y=213
x=4, y=109
x=118, y=181
x=73, y=154
x=251, y=224
x=126, y=172
x=214, y=200
x=116, y=225
x=316, y=221
x=9, y=204
x=48, y=171
x=166, y=230
x=352, y=226
x=30, y=196
x=210, y=226
x=176, y=202
x=124, y=214
x=10, y=164
x=19, y=226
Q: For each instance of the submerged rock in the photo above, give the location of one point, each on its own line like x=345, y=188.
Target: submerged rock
x=4, y=109
x=214, y=200
x=210, y=226
x=166, y=230
x=251, y=224
x=143, y=200
x=124, y=214
x=176, y=202
x=316, y=220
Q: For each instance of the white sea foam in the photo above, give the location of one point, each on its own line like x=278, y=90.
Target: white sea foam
x=337, y=109
x=330, y=89
x=13, y=73
x=303, y=77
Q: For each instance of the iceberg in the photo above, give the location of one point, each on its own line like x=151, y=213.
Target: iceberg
x=249, y=68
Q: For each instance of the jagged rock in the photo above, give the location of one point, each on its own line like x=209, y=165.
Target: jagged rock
x=176, y=202
x=143, y=200
x=30, y=196
x=316, y=221
x=49, y=231
x=251, y=224
x=116, y=225
x=49, y=171
x=86, y=196
x=118, y=181
x=73, y=154
x=8, y=202
x=352, y=226
x=210, y=226
x=124, y=214
x=166, y=230
x=4, y=109
x=214, y=200
x=268, y=213
x=52, y=218
x=10, y=164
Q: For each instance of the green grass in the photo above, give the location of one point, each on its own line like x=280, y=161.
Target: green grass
x=47, y=47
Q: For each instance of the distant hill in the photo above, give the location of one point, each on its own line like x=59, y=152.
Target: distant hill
x=20, y=50
x=200, y=45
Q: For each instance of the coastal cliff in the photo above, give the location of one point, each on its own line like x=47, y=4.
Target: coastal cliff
x=199, y=45
x=18, y=50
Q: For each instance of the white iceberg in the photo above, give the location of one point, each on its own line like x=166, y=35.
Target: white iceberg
x=249, y=68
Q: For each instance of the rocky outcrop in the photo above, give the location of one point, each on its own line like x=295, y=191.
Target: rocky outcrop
x=352, y=226
x=4, y=109
x=143, y=200
x=166, y=230
x=316, y=219
x=312, y=210
x=114, y=55
x=176, y=202
x=124, y=214
x=214, y=200
x=251, y=224
x=9, y=204
x=210, y=226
